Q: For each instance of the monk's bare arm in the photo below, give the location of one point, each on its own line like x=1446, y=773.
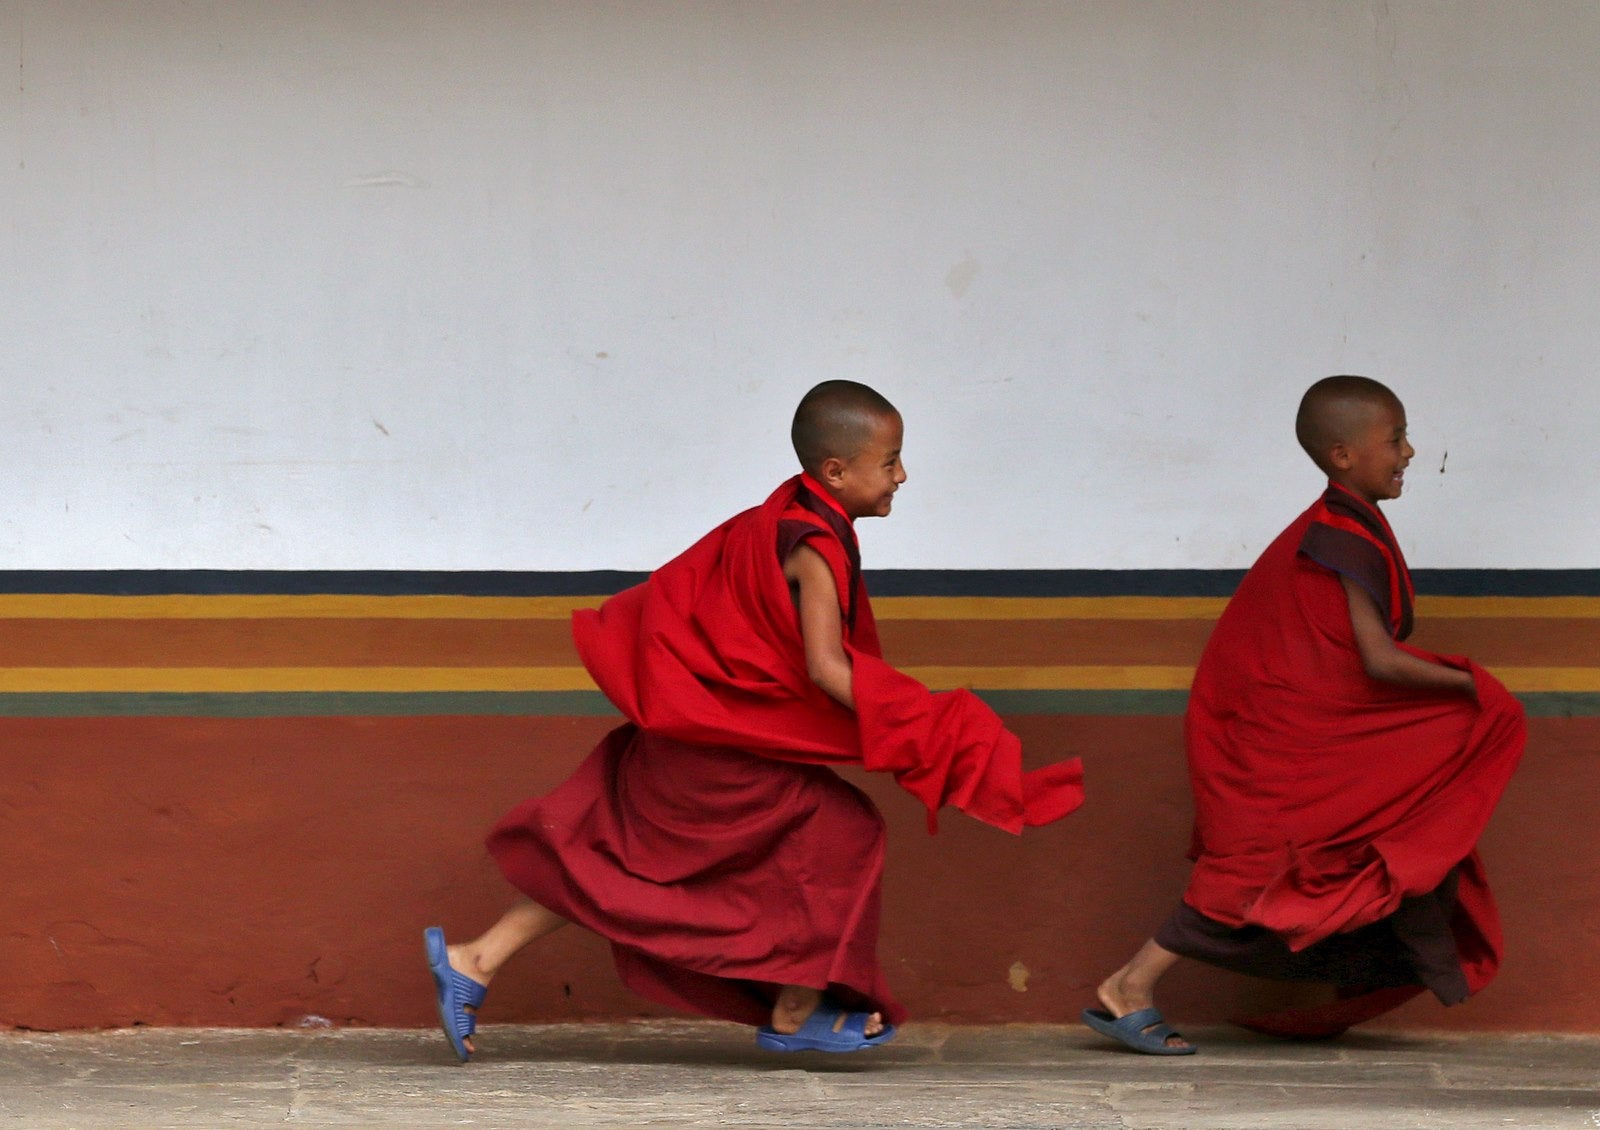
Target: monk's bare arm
x=821, y=625
x=1383, y=660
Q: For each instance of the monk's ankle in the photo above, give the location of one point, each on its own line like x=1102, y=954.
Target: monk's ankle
x=1113, y=993
x=794, y=1006
x=466, y=960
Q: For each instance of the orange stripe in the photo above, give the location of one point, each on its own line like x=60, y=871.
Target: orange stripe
x=285, y=643
x=544, y=642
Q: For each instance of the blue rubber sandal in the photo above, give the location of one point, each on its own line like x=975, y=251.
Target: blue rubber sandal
x=1144, y=1031
x=456, y=992
x=817, y=1033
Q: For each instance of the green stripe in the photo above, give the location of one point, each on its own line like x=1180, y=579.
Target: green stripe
x=584, y=704
x=1560, y=704
x=1538, y=704
x=1148, y=703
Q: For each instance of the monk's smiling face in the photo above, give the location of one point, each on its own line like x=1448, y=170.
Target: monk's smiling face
x=1370, y=459
x=864, y=484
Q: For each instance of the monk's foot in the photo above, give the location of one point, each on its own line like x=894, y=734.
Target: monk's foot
x=796, y=1003
x=1121, y=996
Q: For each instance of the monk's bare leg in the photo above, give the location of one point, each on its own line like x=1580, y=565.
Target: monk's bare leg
x=1133, y=987
x=481, y=958
x=796, y=1002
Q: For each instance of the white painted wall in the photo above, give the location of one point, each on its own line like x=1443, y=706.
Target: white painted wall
x=396, y=284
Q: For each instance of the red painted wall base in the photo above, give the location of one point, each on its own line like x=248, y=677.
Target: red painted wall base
x=206, y=871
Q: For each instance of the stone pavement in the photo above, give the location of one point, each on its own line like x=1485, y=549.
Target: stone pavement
x=684, y=1073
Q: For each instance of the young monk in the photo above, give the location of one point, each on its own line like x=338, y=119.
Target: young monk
x=734, y=874
x=1341, y=777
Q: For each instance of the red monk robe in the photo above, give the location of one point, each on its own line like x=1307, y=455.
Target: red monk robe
x=1337, y=816
x=706, y=838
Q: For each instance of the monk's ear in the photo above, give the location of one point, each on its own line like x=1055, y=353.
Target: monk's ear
x=832, y=470
x=1339, y=456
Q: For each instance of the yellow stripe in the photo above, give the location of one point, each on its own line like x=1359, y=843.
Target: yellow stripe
x=1158, y=678
x=447, y=607
x=1048, y=607
x=30, y=606
x=1508, y=607
x=1154, y=678
x=34, y=680
x=1578, y=679
x=86, y=607
x=1206, y=607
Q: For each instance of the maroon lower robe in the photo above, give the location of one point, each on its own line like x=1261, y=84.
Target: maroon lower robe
x=706, y=838
x=1337, y=816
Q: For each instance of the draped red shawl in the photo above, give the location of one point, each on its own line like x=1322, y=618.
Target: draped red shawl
x=708, y=650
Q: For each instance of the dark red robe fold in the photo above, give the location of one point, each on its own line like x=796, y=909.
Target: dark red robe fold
x=1325, y=798
x=715, y=874
x=706, y=838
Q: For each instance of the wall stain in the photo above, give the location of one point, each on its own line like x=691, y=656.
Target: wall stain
x=960, y=278
x=1017, y=976
x=386, y=179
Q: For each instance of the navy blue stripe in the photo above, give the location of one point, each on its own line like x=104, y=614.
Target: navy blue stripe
x=880, y=582
x=1053, y=582
x=314, y=582
x=1507, y=582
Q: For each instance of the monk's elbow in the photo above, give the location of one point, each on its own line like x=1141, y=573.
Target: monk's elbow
x=831, y=674
x=824, y=672
x=1379, y=666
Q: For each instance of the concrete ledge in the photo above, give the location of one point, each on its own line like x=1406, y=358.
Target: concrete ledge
x=687, y=1073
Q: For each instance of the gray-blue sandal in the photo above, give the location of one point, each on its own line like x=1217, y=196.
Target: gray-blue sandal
x=1144, y=1031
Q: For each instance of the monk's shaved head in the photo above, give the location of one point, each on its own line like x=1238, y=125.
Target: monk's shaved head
x=1334, y=411
x=835, y=421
